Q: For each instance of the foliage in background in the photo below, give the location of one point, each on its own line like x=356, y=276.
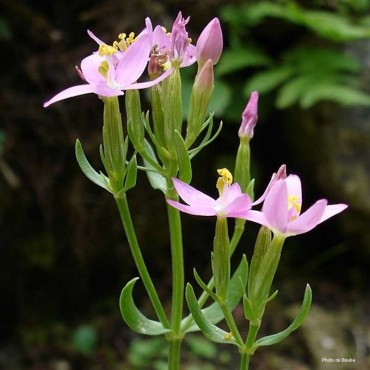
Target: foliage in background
x=295, y=52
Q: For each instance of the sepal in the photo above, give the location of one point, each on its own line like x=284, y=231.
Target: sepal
x=249, y=312
x=263, y=242
x=133, y=317
x=131, y=174
x=185, y=171
x=130, y=177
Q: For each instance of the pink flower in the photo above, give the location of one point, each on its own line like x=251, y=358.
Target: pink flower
x=231, y=203
x=282, y=209
x=174, y=48
x=112, y=69
x=280, y=174
x=249, y=117
x=210, y=43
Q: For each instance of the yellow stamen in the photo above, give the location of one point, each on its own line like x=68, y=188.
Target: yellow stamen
x=293, y=202
x=106, y=50
x=124, y=41
x=166, y=65
x=226, y=178
x=104, y=69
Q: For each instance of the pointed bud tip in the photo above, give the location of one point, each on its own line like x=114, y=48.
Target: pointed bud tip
x=249, y=117
x=210, y=43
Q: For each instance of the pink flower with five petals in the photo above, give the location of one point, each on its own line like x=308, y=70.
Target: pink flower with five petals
x=282, y=209
x=111, y=71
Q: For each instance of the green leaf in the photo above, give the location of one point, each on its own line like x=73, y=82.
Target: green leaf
x=340, y=94
x=266, y=81
x=221, y=98
x=256, y=13
x=157, y=181
x=291, y=92
x=204, y=286
x=238, y=282
x=235, y=59
x=276, y=338
x=97, y=178
x=185, y=171
x=248, y=310
x=333, y=26
x=320, y=61
x=131, y=174
x=210, y=331
x=133, y=317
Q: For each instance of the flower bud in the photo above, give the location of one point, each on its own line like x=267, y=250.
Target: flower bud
x=200, y=97
x=249, y=117
x=179, y=38
x=135, y=126
x=172, y=109
x=221, y=258
x=113, y=153
x=210, y=43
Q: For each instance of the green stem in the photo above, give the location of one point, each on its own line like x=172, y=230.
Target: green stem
x=178, y=279
x=252, y=334
x=124, y=212
x=231, y=322
x=174, y=354
x=238, y=232
x=244, y=361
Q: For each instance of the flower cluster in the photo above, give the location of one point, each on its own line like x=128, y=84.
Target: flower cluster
x=282, y=199
x=165, y=148
x=115, y=68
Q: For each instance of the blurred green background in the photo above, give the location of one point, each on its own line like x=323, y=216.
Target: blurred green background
x=63, y=254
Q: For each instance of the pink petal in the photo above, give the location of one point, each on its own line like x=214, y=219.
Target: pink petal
x=275, y=206
x=332, y=210
x=148, y=30
x=97, y=40
x=71, y=92
x=240, y=205
x=192, y=196
x=90, y=69
x=230, y=193
x=145, y=85
x=255, y=216
x=133, y=62
x=161, y=39
x=308, y=220
x=280, y=174
x=190, y=56
x=210, y=42
x=104, y=90
x=294, y=187
x=192, y=210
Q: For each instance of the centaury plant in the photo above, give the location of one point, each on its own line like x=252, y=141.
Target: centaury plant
x=164, y=147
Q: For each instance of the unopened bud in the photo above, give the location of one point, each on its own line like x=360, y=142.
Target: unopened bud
x=249, y=117
x=210, y=43
x=200, y=98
